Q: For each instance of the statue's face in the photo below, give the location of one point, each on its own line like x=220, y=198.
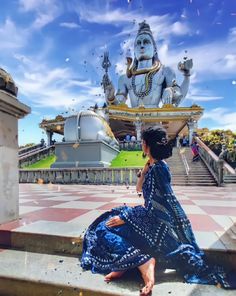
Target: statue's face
x=143, y=47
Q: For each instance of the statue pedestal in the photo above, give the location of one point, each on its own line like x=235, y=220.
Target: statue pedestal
x=84, y=154
x=10, y=111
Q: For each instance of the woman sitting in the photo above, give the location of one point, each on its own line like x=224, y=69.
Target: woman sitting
x=145, y=236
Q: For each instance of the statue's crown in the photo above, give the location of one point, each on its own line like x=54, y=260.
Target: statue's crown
x=144, y=28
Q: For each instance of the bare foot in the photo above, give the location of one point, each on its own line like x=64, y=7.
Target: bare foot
x=113, y=275
x=148, y=274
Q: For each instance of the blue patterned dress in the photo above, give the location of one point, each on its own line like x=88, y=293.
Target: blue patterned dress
x=158, y=229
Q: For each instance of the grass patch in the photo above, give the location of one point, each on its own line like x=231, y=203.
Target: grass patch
x=43, y=163
x=123, y=159
x=128, y=159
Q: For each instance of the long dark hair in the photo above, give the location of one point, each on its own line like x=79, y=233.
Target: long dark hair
x=156, y=139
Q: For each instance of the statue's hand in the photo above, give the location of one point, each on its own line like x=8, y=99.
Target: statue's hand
x=109, y=93
x=172, y=95
x=185, y=66
x=167, y=95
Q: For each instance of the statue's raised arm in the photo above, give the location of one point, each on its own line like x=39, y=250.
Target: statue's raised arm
x=147, y=82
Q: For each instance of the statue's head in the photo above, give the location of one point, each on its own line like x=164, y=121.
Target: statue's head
x=144, y=45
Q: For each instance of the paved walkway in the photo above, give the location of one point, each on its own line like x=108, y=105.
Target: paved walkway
x=67, y=210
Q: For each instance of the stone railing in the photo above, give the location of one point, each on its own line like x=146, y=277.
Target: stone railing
x=132, y=145
x=80, y=176
x=28, y=149
x=218, y=167
x=36, y=155
x=185, y=163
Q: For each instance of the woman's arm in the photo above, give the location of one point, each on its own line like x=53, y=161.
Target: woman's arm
x=117, y=221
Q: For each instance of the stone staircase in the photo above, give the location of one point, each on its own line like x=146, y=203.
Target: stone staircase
x=33, y=274
x=35, y=154
x=50, y=266
x=198, y=174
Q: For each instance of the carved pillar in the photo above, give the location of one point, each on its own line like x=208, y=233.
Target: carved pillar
x=192, y=126
x=10, y=111
x=138, y=127
x=220, y=164
x=49, y=137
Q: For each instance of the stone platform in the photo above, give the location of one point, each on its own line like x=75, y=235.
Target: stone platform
x=42, y=248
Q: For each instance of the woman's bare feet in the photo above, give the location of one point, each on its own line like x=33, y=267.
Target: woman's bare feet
x=113, y=275
x=148, y=274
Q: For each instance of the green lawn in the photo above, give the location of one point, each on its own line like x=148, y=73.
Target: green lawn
x=128, y=159
x=123, y=159
x=43, y=163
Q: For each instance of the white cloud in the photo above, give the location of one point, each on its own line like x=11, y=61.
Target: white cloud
x=179, y=28
x=197, y=94
x=11, y=36
x=46, y=11
x=202, y=98
x=230, y=61
x=54, y=88
x=222, y=118
x=211, y=60
x=70, y=25
x=35, y=113
x=162, y=26
x=232, y=34
x=29, y=5
x=120, y=67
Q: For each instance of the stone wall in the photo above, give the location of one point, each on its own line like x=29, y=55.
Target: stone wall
x=80, y=176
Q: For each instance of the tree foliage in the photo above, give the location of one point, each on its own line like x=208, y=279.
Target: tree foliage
x=218, y=139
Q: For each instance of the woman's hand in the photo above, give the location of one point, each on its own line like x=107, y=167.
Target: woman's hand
x=141, y=175
x=146, y=167
x=115, y=221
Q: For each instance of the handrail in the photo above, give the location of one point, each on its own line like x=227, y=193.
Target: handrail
x=184, y=160
x=36, y=151
x=30, y=152
x=29, y=148
x=226, y=166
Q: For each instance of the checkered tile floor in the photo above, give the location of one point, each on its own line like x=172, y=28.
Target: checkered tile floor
x=62, y=209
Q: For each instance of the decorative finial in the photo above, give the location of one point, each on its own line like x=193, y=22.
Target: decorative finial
x=185, y=57
x=106, y=62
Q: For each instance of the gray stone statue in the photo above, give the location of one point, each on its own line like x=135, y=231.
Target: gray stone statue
x=147, y=82
x=7, y=83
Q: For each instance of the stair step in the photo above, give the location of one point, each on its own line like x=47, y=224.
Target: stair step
x=34, y=274
x=42, y=243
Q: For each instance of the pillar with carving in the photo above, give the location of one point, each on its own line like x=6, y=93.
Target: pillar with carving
x=10, y=111
x=192, y=126
x=138, y=127
x=49, y=137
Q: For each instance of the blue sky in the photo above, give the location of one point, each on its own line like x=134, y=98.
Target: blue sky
x=53, y=50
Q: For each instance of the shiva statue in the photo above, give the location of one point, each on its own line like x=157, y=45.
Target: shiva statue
x=148, y=83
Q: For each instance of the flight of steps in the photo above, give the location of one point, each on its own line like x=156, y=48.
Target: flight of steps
x=36, y=153
x=49, y=265
x=199, y=175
